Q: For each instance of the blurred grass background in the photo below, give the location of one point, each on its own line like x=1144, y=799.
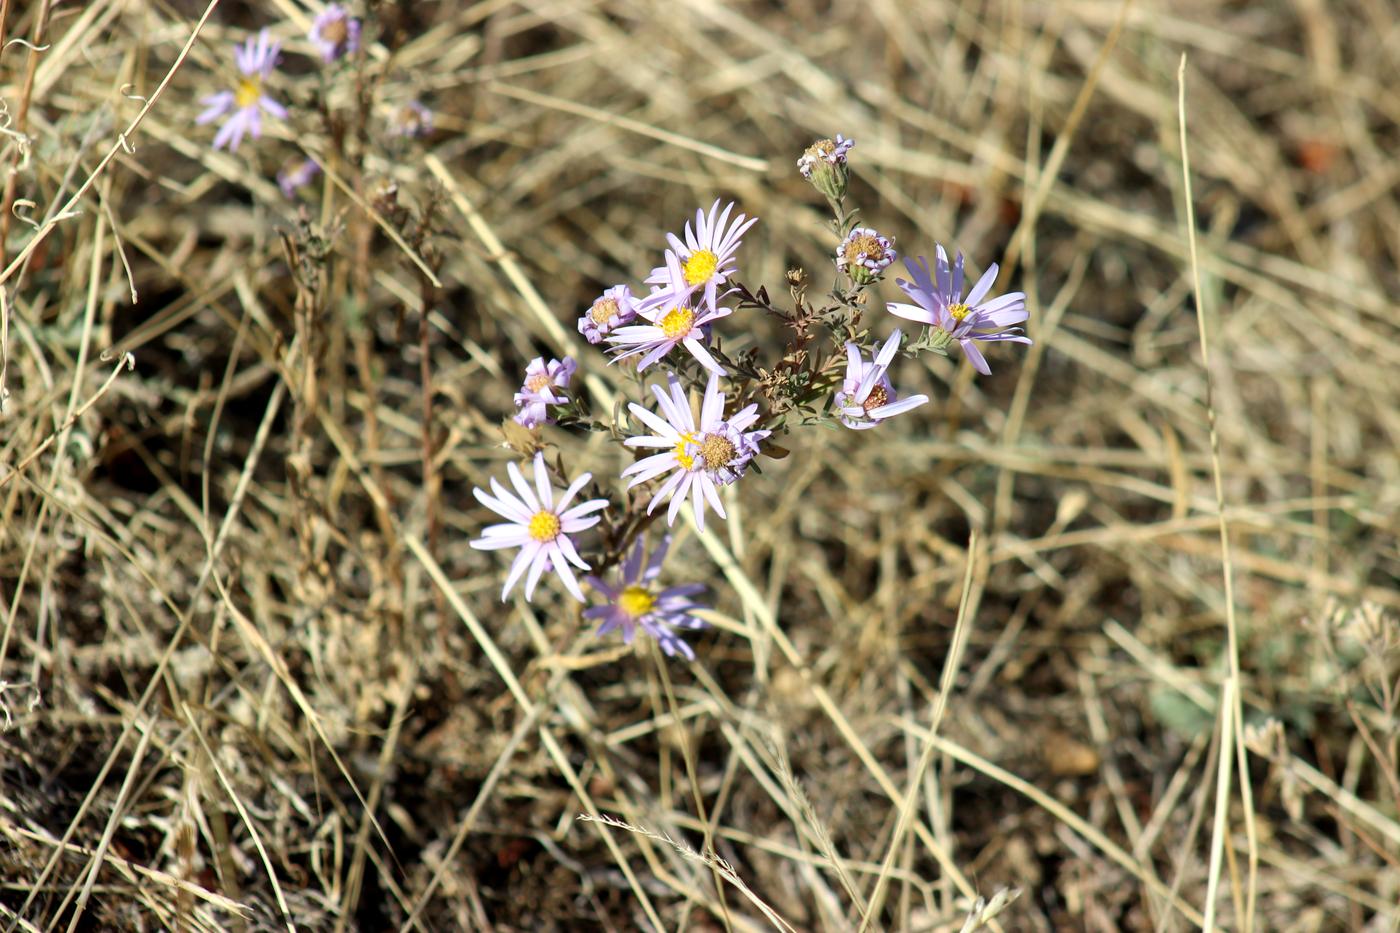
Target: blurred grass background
x=253, y=677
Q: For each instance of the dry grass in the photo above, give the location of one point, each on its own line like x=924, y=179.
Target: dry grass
x=252, y=676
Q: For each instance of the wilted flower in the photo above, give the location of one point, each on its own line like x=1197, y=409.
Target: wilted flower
x=538, y=526
x=967, y=320
x=541, y=389
x=335, y=32
x=864, y=254
x=255, y=59
x=824, y=165
x=700, y=459
x=866, y=397
x=297, y=174
x=636, y=603
x=413, y=120
x=671, y=321
x=706, y=257
x=613, y=308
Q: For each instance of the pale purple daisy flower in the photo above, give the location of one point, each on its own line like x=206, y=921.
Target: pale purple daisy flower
x=866, y=397
x=864, y=254
x=255, y=59
x=670, y=321
x=706, y=256
x=636, y=603
x=543, y=382
x=613, y=308
x=539, y=526
x=335, y=32
x=700, y=458
x=297, y=175
x=967, y=320
x=413, y=120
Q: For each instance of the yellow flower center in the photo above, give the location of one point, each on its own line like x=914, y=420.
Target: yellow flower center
x=537, y=382
x=699, y=266
x=248, y=92
x=336, y=31
x=958, y=311
x=677, y=322
x=822, y=148
x=864, y=246
x=717, y=450
x=544, y=527
x=636, y=601
x=604, y=310
x=686, y=460
x=878, y=397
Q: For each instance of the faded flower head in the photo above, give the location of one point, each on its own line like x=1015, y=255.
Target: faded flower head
x=705, y=258
x=671, y=321
x=699, y=457
x=864, y=254
x=335, y=33
x=413, y=120
x=824, y=165
x=297, y=174
x=867, y=397
x=613, y=308
x=544, y=385
x=637, y=603
x=539, y=526
x=256, y=59
x=939, y=303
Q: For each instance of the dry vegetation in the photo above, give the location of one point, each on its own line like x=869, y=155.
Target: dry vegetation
x=253, y=677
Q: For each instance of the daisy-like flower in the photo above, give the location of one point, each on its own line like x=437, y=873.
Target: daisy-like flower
x=940, y=303
x=824, y=165
x=255, y=59
x=613, y=308
x=539, y=526
x=335, y=32
x=636, y=602
x=671, y=321
x=543, y=387
x=706, y=256
x=866, y=397
x=700, y=458
x=297, y=175
x=864, y=254
x=413, y=120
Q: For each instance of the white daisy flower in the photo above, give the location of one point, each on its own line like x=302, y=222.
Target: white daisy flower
x=539, y=526
x=700, y=457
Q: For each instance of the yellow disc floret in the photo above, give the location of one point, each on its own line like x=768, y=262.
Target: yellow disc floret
x=544, y=526
x=604, y=310
x=538, y=381
x=683, y=454
x=717, y=450
x=958, y=310
x=636, y=601
x=677, y=322
x=248, y=92
x=699, y=266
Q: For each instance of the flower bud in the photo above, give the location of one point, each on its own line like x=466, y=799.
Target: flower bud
x=824, y=165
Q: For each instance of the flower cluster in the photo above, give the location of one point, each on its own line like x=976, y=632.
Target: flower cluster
x=334, y=35
x=685, y=451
